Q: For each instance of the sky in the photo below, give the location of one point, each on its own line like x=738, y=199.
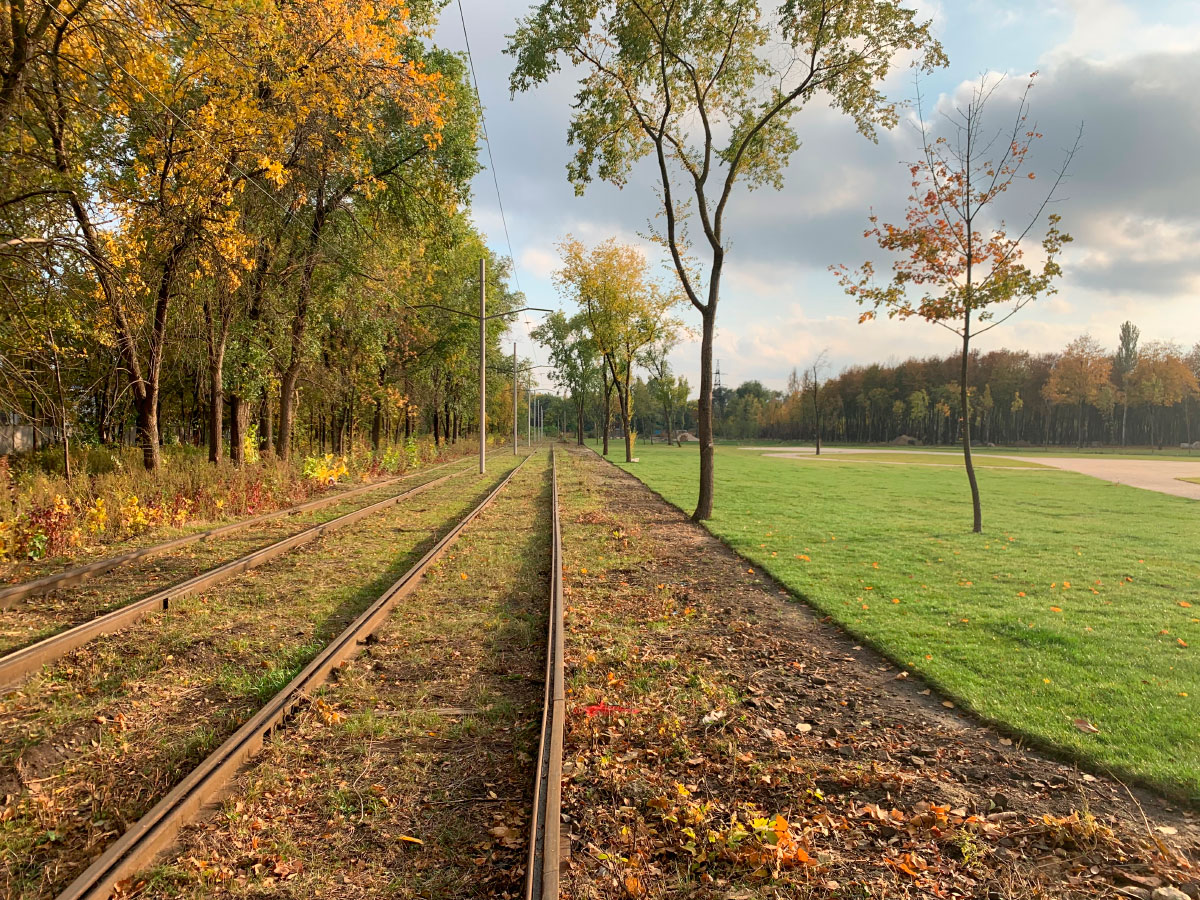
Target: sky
x=1124, y=70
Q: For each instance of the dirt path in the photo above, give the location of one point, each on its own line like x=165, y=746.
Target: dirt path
x=1149, y=474
x=724, y=742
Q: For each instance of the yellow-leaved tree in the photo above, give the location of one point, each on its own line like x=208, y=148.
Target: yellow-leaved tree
x=625, y=308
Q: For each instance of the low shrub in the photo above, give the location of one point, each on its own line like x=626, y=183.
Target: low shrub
x=113, y=498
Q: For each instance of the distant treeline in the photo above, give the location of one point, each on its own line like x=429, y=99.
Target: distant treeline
x=1141, y=396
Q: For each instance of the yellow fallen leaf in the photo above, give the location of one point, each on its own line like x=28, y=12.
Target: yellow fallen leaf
x=412, y=840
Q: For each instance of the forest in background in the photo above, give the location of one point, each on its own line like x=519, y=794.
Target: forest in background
x=1140, y=394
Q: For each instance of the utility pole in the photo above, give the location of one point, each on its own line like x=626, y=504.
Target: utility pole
x=529, y=415
x=483, y=319
x=482, y=365
x=515, y=398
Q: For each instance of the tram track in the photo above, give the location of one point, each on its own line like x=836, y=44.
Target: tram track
x=13, y=594
x=118, y=869
x=20, y=663
x=156, y=830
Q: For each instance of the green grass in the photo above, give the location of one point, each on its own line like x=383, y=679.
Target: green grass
x=922, y=459
x=988, y=618
x=977, y=450
x=1190, y=480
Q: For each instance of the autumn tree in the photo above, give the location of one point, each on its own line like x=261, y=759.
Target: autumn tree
x=709, y=89
x=626, y=310
x=237, y=205
x=1080, y=376
x=810, y=386
x=1161, y=379
x=957, y=265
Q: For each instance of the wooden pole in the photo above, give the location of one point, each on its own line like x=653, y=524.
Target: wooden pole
x=515, y=398
x=482, y=366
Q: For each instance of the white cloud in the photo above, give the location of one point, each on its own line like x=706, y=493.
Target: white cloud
x=1127, y=69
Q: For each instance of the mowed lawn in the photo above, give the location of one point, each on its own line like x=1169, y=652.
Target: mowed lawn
x=1081, y=599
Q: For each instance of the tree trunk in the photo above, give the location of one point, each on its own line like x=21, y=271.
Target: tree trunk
x=1080, y=424
x=704, y=407
x=817, y=412
x=216, y=405
x=266, y=425
x=377, y=426
x=607, y=406
x=147, y=428
x=238, y=414
x=291, y=374
x=964, y=399
x=579, y=421
x=1124, y=417
x=217, y=333
x=626, y=422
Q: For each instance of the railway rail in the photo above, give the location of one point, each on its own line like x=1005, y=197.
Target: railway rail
x=18, y=664
x=140, y=845
x=546, y=852
x=13, y=594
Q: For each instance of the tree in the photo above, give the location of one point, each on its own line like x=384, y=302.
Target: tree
x=811, y=386
x=625, y=308
x=672, y=392
x=1123, y=364
x=1080, y=376
x=702, y=87
x=573, y=355
x=1193, y=361
x=1161, y=379
x=966, y=269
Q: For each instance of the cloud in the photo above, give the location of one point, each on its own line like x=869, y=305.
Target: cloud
x=1125, y=70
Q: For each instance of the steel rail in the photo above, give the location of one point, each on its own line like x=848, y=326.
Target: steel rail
x=138, y=847
x=546, y=853
x=14, y=594
x=19, y=663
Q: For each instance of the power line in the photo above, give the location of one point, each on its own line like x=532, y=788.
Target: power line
x=492, y=161
x=488, y=143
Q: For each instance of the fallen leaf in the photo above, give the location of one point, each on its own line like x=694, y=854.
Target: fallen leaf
x=1085, y=726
